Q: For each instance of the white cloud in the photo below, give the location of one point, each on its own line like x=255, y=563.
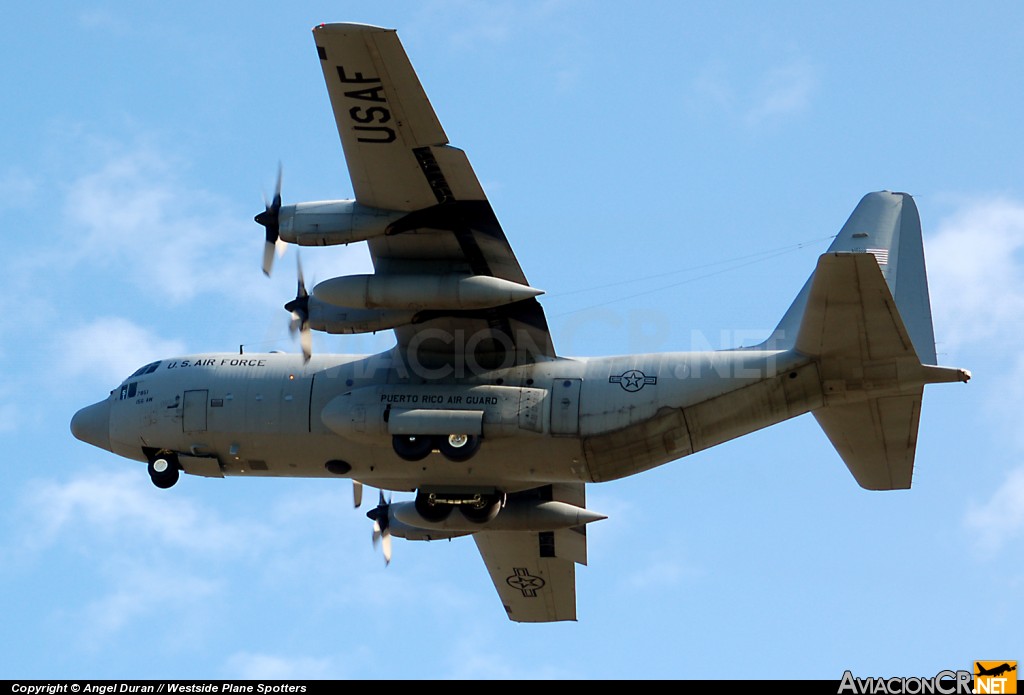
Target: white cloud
x=139, y=591
x=20, y=189
x=8, y=417
x=783, y=91
x=658, y=573
x=106, y=507
x=474, y=657
x=976, y=280
x=132, y=218
x=110, y=348
x=779, y=92
x=104, y=20
x=976, y=275
x=153, y=556
x=131, y=208
x=1001, y=519
x=255, y=666
x=470, y=24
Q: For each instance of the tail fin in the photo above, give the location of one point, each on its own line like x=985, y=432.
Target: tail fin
x=864, y=315
x=887, y=226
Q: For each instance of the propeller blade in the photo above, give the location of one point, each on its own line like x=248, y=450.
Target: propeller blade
x=300, y=290
x=357, y=493
x=381, y=532
x=306, y=341
x=386, y=545
x=277, y=185
x=270, y=220
x=299, y=308
x=268, y=257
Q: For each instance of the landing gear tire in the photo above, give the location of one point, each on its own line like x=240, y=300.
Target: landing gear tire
x=430, y=510
x=458, y=447
x=163, y=471
x=484, y=510
x=412, y=447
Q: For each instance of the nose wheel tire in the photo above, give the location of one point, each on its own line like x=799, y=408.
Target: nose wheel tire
x=458, y=447
x=163, y=471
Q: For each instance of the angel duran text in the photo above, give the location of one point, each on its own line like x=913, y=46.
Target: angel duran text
x=111, y=688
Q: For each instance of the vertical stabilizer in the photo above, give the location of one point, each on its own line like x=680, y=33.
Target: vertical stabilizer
x=887, y=226
x=865, y=318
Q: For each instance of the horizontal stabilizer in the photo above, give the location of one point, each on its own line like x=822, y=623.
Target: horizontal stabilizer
x=871, y=374
x=851, y=313
x=876, y=439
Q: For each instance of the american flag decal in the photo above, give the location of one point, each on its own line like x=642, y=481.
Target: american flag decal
x=881, y=255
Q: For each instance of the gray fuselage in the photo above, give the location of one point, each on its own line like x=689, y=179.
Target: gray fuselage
x=563, y=420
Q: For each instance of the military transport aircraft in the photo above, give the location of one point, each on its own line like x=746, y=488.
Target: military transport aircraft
x=472, y=409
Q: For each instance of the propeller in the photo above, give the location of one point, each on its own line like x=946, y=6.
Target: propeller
x=299, y=308
x=270, y=219
x=357, y=494
x=381, y=532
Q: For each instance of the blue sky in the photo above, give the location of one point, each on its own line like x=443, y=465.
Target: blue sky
x=668, y=174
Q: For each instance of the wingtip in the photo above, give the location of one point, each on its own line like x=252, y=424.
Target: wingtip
x=349, y=27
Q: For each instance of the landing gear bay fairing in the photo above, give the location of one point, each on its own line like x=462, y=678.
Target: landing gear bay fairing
x=472, y=409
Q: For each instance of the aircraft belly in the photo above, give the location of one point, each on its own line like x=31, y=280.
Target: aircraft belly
x=501, y=463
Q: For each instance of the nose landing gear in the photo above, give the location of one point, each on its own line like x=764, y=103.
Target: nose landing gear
x=164, y=470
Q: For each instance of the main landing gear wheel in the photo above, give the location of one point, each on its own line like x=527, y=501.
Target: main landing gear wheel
x=430, y=509
x=412, y=447
x=163, y=471
x=484, y=510
x=458, y=447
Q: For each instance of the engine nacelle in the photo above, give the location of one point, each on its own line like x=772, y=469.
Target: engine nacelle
x=516, y=515
x=420, y=292
x=346, y=320
x=330, y=222
x=415, y=533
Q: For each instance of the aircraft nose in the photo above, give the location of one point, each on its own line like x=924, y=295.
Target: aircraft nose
x=91, y=424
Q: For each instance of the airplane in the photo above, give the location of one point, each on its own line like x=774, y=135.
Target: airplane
x=473, y=410
x=995, y=671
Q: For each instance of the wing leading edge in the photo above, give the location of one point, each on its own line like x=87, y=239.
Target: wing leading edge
x=399, y=159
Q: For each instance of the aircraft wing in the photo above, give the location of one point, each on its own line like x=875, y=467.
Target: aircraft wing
x=535, y=572
x=533, y=588
x=399, y=159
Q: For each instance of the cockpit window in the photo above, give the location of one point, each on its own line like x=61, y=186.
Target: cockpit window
x=147, y=369
x=129, y=390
